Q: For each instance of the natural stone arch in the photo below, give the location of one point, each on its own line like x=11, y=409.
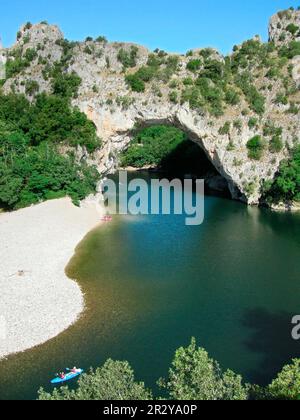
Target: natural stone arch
x=116, y=130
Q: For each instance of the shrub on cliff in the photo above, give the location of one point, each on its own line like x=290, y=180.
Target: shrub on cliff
x=292, y=28
x=194, y=65
x=18, y=61
x=256, y=147
x=31, y=87
x=136, y=84
x=66, y=85
x=128, y=58
x=286, y=186
x=291, y=50
x=276, y=144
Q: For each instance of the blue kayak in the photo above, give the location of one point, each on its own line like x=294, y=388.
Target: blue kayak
x=68, y=377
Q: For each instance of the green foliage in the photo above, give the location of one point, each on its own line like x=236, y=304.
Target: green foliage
x=194, y=376
x=292, y=28
x=101, y=39
x=276, y=144
x=30, y=55
x=136, y=84
x=194, y=65
x=232, y=97
x=255, y=99
x=271, y=130
x=128, y=58
x=146, y=73
x=88, y=50
x=124, y=101
x=193, y=96
x=252, y=123
x=173, y=96
x=151, y=146
x=213, y=70
x=49, y=118
x=286, y=186
x=285, y=14
x=256, y=147
x=29, y=175
x=28, y=26
x=31, y=87
x=66, y=84
x=206, y=53
x=290, y=51
x=19, y=61
x=114, y=381
x=31, y=169
x=225, y=130
x=249, y=52
x=212, y=95
x=281, y=98
x=286, y=386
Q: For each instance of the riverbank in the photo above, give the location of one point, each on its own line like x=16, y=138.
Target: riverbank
x=38, y=301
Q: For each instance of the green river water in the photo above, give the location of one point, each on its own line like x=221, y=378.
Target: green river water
x=151, y=283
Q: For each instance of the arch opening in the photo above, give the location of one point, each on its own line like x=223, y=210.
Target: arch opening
x=166, y=148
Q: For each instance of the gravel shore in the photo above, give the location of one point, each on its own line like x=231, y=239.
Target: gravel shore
x=38, y=301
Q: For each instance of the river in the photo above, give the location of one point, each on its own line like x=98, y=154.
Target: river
x=151, y=283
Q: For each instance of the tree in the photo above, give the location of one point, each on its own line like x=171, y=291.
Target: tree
x=31, y=168
x=194, y=376
x=286, y=186
x=113, y=381
x=287, y=384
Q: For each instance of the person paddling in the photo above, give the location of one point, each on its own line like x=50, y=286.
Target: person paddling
x=62, y=375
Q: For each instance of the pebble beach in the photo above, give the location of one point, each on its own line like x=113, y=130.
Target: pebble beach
x=38, y=301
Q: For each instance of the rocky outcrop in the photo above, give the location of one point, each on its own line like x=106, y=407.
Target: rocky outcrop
x=285, y=27
x=107, y=100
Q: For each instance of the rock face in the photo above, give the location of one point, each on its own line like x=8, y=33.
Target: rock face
x=285, y=27
x=107, y=100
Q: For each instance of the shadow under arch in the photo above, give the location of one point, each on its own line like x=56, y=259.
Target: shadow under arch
x=191, y=158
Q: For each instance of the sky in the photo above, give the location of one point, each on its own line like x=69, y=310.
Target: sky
x=171, y=25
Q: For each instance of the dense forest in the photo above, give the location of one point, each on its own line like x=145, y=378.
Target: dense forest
x=193, y=375
x=32, y=134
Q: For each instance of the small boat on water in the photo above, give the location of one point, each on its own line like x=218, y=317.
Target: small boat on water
x=106, y=218
x=67, y=377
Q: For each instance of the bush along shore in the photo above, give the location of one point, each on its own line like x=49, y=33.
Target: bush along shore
x=193, y=375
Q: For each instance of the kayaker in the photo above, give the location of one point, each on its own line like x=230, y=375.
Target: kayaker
x=62, y=375
x=75, y=370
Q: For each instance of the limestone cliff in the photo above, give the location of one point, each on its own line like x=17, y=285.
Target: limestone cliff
x=254, y=92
